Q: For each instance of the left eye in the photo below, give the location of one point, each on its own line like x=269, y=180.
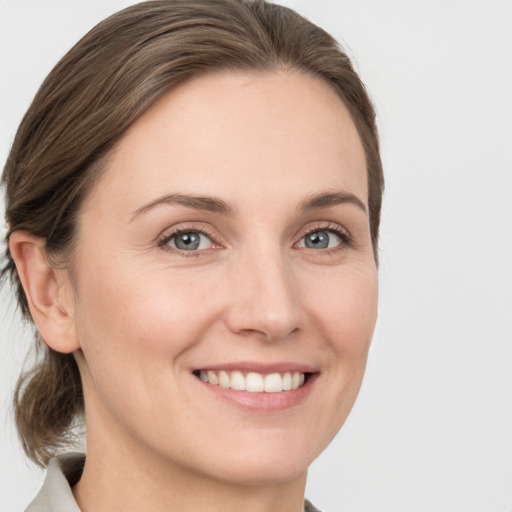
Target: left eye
x=189, y=241
x=320, y=240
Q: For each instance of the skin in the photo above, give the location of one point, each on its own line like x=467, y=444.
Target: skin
x=140, y=315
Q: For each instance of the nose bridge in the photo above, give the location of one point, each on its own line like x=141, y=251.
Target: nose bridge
x=264, y=298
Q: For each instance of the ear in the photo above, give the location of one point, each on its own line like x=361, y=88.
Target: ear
x=48, y=290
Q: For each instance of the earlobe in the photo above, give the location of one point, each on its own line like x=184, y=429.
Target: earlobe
x=48, y=292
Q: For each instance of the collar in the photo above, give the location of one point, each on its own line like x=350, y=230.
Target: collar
x=62, y=473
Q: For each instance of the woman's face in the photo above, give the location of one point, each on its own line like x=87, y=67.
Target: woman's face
x=228, y=241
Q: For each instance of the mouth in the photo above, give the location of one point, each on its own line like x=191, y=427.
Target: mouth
x=254, y=382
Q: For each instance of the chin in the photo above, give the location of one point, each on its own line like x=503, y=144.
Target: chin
x=273, y=458
x=265, y=471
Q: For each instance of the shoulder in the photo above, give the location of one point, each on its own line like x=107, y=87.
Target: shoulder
x=55, y=494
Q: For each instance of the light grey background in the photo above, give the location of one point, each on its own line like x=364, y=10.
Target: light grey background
x=432, y=428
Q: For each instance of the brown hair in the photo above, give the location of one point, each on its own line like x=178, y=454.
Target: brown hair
x=94, y=94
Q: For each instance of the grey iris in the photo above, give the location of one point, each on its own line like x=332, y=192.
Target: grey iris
x=188, y=241
x=317, y=240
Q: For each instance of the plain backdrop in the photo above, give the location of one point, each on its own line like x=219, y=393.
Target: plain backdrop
x=432, y=428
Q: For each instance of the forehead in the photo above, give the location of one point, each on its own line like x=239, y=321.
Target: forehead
x=235, y=132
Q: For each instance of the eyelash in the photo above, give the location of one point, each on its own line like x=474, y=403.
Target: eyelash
x=346, y=239
x=164, y=240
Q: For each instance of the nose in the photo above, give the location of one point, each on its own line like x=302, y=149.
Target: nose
x=264, y=302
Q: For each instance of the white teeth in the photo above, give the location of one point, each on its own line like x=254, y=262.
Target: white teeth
x=287, y=381
x=212, y=378
x=273, y=383
x=224, y=380
x=254, y=382
x=237, y=381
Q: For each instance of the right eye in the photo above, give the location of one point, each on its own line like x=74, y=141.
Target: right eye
x=188, y=241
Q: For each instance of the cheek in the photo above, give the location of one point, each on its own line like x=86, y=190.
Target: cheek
x=346, y=307
x=344, y=311
x=136, y=330
x=143, y=312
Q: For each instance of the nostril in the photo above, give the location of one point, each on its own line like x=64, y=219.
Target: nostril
x=270, y=333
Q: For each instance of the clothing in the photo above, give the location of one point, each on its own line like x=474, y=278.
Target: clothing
x=62, y=473
x=309, y=508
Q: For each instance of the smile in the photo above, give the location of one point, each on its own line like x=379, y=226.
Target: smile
x=253, y=382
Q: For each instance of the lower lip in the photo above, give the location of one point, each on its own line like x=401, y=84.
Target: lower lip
x=263, y=402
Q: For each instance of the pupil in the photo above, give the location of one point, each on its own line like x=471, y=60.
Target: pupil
x=188, y=241
x=319, y=240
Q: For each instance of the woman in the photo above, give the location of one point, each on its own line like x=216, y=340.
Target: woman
x=193, y=202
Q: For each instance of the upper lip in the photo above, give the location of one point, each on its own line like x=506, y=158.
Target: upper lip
x=260, y=367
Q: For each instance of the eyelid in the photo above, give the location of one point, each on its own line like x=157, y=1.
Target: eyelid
x=343, y=233
x=162, y=239
x=169, y=233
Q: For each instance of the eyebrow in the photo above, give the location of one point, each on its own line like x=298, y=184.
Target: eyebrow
x=216, y=205
x=209, y=204
x=324, y=200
